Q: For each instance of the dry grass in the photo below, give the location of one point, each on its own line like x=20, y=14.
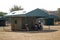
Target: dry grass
x=34, y=35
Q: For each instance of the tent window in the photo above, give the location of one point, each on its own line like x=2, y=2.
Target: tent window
x=15, y=21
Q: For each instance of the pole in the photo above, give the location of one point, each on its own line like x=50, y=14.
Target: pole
x=3, y=28
x=49, y=27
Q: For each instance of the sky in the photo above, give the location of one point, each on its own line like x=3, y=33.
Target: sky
x=6, y=5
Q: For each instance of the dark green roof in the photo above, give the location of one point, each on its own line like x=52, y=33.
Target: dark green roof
x=37, y=13
x=54, y=16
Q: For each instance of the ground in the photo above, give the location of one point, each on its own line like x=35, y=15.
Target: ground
x=52, y=34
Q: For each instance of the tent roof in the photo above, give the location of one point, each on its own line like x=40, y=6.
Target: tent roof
x=37, y=13
x=15, y=13
x=54, y=16
x=34, y=13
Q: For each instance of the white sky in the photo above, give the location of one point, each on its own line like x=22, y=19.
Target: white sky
x=5, y=5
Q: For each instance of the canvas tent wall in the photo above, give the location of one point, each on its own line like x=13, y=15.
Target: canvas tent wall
x=16, y=23
x=2, y=21
x=49, y=22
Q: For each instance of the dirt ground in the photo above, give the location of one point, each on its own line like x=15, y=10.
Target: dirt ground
x=46, y=34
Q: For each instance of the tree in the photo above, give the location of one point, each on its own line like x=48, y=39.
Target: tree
x=16, y=8
x=2, y=13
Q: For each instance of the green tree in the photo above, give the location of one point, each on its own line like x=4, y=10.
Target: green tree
x=16, y=8
x=2, y=13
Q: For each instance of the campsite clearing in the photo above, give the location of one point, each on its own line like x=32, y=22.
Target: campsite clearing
x=52, y=34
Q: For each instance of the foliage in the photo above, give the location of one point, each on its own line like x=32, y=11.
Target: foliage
x=16, y=8
x=2, y=13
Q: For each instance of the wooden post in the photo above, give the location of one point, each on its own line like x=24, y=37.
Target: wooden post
x=3, y=29
x=49, y=27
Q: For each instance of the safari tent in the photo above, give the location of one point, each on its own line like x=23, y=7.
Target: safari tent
x=18, y=21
